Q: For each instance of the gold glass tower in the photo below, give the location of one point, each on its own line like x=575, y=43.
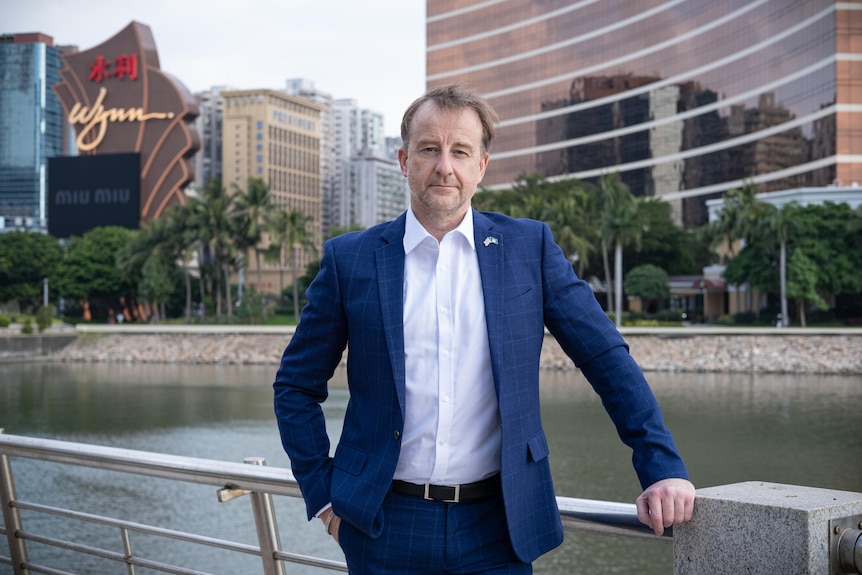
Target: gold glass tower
x=684, y=98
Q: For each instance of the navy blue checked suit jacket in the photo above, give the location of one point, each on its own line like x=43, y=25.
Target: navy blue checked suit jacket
x=528, y=284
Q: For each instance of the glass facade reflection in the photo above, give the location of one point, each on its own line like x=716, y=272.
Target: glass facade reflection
x=684, y=98
x=31, y=126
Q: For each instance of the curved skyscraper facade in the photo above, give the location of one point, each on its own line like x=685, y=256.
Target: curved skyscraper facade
x=685, y=99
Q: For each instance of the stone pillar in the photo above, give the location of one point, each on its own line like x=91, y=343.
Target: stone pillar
x=761, y=528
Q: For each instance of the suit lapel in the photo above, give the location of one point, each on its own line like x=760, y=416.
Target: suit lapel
x=489, y=251
x=389, y=260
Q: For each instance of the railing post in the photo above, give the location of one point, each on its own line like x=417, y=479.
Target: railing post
x=766, y=528
x=11, y=518
x=267, y=528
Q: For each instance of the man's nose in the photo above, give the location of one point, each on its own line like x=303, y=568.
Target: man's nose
x=444, y=164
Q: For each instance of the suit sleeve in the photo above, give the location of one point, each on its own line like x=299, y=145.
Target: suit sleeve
x=590, y=339
x=301, y=384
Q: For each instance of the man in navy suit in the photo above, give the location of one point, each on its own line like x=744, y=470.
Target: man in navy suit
x=442, y=464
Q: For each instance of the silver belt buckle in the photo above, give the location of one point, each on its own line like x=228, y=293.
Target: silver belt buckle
x=456, y=499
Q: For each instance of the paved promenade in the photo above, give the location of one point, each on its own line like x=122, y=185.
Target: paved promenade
x=764, y=350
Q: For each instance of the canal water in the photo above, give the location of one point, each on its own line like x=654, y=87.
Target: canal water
x=793, y=429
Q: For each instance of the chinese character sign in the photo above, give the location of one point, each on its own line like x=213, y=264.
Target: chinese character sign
x=118, y=100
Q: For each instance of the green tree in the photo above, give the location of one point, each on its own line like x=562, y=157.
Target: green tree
x=213, y=218
x=142, y=244
x=184, y=244
x=253, y=205
x=647, y=282
x=568, y=207
x=45, y=317
x=168, y=240
x=621, y=226
x=824, y=233
x=665, y=244
x=738, y=220
x=802, y=285
x=89, y=271
x=291, y=237
x=157, y=284
x=778, y=227
x=26, y=258
x=568, y=218
x=618, y=225
x=754, y=266
x=827, y=237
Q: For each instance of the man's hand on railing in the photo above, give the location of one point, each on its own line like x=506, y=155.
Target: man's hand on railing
x=665, y=503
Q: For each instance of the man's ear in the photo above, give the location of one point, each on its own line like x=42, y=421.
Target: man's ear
x=402, y=160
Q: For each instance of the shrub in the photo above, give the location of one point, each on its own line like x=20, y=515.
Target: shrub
x=27, y=327
x=5, y=320
x=745, y=317
x=44, y=317
x=669, y=315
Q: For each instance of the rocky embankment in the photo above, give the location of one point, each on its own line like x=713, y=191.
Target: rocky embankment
x=822, y=354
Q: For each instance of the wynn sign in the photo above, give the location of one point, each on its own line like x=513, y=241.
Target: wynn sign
x=119, y=101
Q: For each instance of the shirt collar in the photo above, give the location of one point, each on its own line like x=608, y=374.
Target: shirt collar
x=414, y=233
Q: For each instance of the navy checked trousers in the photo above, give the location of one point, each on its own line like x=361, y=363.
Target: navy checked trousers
x=432, y=538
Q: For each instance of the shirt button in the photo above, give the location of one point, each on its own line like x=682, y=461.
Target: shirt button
x=445, y=399
x=397, y=435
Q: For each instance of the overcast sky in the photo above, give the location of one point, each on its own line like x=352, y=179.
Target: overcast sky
x=372, y=50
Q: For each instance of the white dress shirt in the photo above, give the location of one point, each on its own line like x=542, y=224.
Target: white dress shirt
x=451, y=424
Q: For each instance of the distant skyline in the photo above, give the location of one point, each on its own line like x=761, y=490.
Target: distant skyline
x=372, y=51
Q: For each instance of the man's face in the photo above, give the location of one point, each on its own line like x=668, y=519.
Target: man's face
x=444, y=161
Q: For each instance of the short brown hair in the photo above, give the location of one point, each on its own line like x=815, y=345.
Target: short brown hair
x=454, y=97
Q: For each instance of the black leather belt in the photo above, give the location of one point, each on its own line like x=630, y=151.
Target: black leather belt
x=450, y=493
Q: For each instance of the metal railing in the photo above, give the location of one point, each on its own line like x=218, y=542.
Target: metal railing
x=232, y=480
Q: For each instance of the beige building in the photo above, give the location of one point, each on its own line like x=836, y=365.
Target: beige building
x=274, y=136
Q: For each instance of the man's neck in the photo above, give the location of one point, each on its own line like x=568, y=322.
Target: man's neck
x=440, y=224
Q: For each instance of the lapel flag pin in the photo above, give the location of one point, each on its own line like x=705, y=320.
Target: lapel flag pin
x=490, y=240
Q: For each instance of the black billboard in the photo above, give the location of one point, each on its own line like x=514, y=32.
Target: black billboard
x=86, y=192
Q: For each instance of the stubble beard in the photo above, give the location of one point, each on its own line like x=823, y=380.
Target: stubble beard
x=443, y=206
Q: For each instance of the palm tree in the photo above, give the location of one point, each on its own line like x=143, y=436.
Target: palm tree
x=214, y=219
x=613, y=198
x=253, y=203
x=568, y=222
x=621, y=226
x=803, y=284
x=740, y=213
x=184, y=240
x=290, y=231
x=151, y=249
x=779, y=226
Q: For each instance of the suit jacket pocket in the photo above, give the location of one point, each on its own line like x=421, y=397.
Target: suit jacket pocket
x=538, y=446
x=350, y=459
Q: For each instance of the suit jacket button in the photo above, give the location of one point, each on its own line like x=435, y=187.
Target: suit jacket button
x=397, y=435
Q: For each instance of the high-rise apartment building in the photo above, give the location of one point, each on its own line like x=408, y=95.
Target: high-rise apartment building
x=685, y=99
x=376, y=190
x=209, y=125
x=31, y=127
x=274, y=136
x=370, y=188
x=329, y=192
x=361, y=183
